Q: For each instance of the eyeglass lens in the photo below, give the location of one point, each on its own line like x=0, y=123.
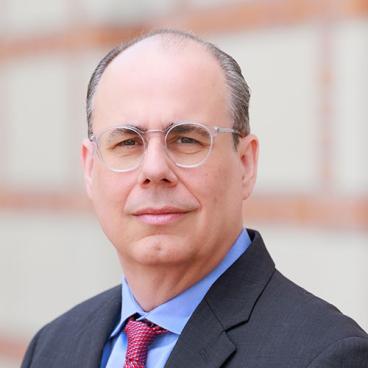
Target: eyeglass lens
x=186, y=144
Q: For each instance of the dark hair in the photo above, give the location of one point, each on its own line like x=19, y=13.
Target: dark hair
x=239, y=90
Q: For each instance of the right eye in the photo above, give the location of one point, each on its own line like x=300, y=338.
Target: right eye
x=123, y=140
x=128, y=142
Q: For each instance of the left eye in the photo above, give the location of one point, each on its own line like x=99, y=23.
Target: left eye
x=187, y=140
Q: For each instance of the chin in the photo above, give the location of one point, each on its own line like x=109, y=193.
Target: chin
x=159, y=249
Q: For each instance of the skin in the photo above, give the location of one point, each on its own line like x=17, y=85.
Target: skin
x=200, y=209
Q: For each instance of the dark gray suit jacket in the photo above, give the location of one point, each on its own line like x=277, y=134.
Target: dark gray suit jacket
x=252, y=317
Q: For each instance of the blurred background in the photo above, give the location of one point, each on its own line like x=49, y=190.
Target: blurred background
x=307, y=65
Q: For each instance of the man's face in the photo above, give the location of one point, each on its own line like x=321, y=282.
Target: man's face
x=159, y=214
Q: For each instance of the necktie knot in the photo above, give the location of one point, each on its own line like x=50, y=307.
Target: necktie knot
x=140, y=335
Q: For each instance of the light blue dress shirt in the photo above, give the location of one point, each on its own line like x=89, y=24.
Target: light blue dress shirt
x=172, y=315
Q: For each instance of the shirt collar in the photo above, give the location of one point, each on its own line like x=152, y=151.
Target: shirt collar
x=175, y=313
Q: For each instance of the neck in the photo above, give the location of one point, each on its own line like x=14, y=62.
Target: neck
x=154, y=285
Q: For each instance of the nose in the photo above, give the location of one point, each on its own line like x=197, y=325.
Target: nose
x=156, y=167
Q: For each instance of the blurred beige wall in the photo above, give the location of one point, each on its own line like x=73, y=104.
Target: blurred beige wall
x=307, y=69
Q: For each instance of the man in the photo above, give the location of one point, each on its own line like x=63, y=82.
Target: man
x=168, y=163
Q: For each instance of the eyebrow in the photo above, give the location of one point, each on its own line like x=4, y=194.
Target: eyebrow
x=143, y=130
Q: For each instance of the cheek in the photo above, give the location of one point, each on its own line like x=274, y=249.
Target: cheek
x=109, y=195
x=110, y=189
x=222, y=187
x=211, y=187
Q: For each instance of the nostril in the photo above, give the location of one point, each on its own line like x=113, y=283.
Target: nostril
x=148, y=181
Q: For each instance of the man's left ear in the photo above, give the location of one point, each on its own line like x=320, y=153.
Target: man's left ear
x=248, y=148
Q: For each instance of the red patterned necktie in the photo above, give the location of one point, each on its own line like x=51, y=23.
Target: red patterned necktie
x=140, y=335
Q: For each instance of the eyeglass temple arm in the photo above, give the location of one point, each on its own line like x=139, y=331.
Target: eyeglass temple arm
x=229, y=130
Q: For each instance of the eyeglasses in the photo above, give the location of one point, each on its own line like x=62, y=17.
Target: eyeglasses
x=188, y=145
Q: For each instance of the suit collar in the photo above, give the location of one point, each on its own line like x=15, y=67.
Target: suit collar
x=228, y=303
x=232, y=299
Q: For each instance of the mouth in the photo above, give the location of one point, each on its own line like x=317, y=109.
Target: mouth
x=160, y=216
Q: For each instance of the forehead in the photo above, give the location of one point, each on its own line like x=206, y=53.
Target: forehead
x=161, y=81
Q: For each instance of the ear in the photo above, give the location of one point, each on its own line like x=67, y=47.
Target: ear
x=248, y=148
x=87, y=156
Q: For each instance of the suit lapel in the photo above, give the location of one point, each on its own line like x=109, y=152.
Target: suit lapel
x=203, y=342
x=229, y=302
x=89, y=343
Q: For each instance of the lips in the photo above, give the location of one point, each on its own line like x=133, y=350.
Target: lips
x=159, y=211
x=159, y=216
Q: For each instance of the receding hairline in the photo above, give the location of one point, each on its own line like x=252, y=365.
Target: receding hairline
x=235, y=82
x=168, y=39
x=173, y=41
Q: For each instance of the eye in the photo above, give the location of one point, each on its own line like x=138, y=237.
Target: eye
x=126, y=141
x=186, y=140
x=129, y=142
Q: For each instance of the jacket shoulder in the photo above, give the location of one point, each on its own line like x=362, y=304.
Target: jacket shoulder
x=290, y=327
x=298, y=321
x=82, y=312
x=309, y=312
x=87, y=323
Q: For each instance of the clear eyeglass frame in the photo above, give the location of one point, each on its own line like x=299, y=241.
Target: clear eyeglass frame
x=213, y=131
